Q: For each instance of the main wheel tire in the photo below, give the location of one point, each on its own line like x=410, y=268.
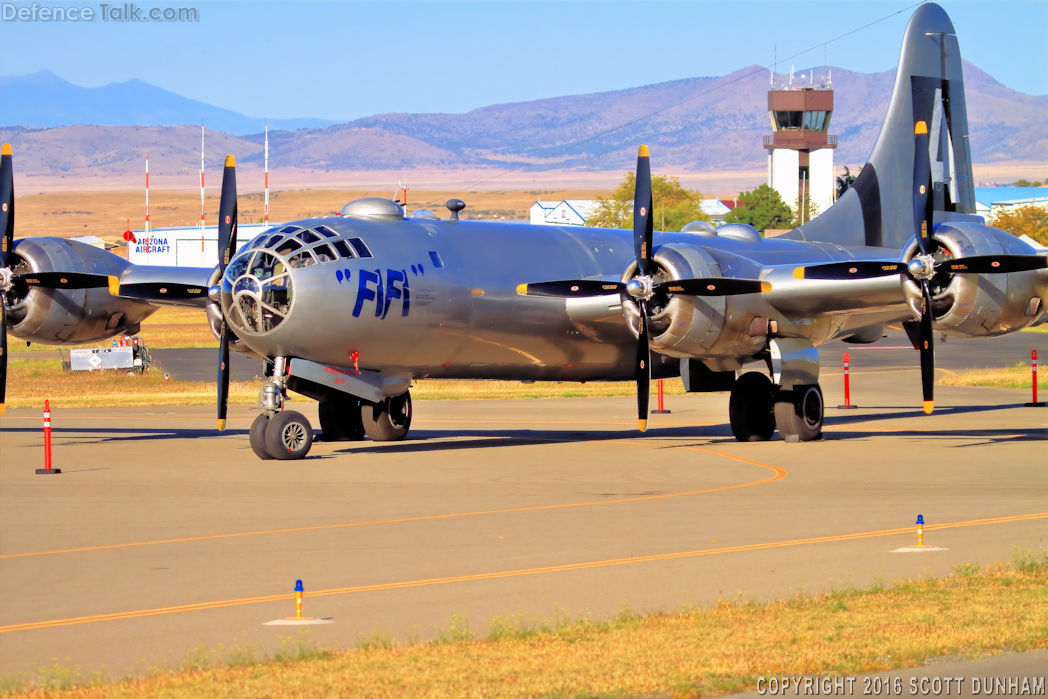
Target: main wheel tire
x=257, y=437
x=799, y=413
x=340, y=419
x=389, y=420
x=288, y=435
x=751, y=408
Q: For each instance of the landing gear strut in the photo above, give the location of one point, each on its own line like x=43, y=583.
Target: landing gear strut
x=275, y=434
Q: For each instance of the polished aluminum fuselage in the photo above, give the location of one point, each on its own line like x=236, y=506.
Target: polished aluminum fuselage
x=457, y=313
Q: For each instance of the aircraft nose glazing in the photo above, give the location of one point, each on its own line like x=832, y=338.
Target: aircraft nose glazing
x=257, y=292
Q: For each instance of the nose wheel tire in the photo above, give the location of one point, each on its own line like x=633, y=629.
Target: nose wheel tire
x=340, y=419
x=799, y=413
x=389, y=420
x=257, y=437
x=288, y=435
x=751, y=408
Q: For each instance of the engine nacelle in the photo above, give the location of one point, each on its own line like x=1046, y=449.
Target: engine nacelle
x=698, y=326
x=973, y=305
x=69, y=316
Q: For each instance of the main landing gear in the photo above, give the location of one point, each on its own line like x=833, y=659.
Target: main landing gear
x=287, y=434
x=757, y=407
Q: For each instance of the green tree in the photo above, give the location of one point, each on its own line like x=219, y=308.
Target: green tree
x=674, y=206
x=762, y=208
x=1023, y=220
x=811, y=211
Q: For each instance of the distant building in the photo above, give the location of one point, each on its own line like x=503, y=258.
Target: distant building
x=800, y=151
x=576, y=212
x=184, y=247
x=990, y=200
x=572, y=212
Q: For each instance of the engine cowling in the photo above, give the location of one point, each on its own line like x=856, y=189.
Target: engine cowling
x=691, y=326
x=973, y=305
x=69, y=316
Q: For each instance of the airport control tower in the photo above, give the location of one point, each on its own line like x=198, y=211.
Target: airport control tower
x=800, y=152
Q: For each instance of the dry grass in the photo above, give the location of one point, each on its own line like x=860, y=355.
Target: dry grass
x=1018, y=376
x=978, y=611
x=106, y=213
x=31, y=381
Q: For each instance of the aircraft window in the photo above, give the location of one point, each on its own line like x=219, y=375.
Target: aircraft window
x=343, y=249
x=273, y=240
x=301, y=259
x=325, y=231
x=437, y=262
x=289, y=246
x=290, y=229
x=256, y=241
x=324, y=253
x=360, y=247
x=261, y=289
x=308, y=237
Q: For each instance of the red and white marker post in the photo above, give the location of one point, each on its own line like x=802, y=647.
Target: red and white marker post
x=1034, y=403
x=47, y=443
x=661, y=410
x=847, y=383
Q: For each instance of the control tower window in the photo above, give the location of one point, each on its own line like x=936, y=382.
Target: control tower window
x=816, y=121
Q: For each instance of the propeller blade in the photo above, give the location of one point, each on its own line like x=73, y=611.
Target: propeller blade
x=856, y=269
x=571, y=288
x=643, y=371
x=7, y=243
x=993, y=264
x=223, y=377
x=642, y=214
x=713, y=286
x=922, y=196
x=3, y=350
x=927, y=350
x=7, y=203
x=158, y=291
x=227, y=244
x=227, y=214
x=62, y=280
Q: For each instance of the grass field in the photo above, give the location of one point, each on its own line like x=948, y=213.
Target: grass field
x=977, y=611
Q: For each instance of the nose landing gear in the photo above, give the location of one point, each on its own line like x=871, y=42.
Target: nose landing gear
x=287, y=434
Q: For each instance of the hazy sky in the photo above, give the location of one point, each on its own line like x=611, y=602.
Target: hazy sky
x=342, y=60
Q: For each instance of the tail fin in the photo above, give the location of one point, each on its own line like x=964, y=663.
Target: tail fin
x=878, y=209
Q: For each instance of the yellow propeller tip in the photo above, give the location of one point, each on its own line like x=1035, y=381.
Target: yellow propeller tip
x=798, y=272
x=765, y=287
x=642, y=425
x=643, y=152
x=1, y=408
x=231, y=161
x=920, y=128
x=522, y=289
x=6, y=149
x=114, y=285
x=929, y=406
x=221, y=425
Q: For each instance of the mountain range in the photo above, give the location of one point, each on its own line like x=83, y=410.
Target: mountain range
x=691, y=125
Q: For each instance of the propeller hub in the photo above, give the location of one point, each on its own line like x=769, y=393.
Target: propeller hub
x=921, y=267
x=640, y=288
x=214, y=292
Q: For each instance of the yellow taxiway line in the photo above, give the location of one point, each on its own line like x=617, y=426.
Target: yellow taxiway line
x=585, y=565
x=777, y=474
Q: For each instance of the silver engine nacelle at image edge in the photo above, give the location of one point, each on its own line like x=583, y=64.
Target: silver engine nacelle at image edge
x=70, y=316
x=691, y=326
x=970, y=305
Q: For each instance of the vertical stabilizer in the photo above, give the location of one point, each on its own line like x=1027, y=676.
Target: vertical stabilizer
x=878, y=210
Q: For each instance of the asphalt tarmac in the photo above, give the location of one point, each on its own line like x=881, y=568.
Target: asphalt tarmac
x=161, y=534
